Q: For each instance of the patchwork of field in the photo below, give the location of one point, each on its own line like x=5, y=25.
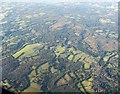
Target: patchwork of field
x=64, y=47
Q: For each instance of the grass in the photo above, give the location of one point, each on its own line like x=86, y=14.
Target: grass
x=88, y=85
x=71, y=49
x=57, y=54
x=60, y=49
x=11, y=44
x=88, y=88
x=33, y=88
x=77, y=51
x=45, y=66
x=80, y=87
x=70, y=57
x=39, y=70
x=63, y=55
x=106, y=58
x=28, y=51
x=32, y=74
x=76, y=57
x=53, y=70
x=6, y=83
x=110, y=66
x=87, y=65
x=90, y=79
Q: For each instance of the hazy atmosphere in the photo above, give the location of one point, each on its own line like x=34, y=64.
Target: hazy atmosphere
x=57, y=1
x=65, y=47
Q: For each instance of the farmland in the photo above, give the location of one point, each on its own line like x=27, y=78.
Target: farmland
x=59, y=48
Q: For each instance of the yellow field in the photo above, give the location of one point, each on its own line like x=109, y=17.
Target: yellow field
x=33, y=88
x=60, y=49
x=28, y=50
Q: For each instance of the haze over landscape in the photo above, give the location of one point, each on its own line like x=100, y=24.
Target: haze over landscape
x=59, y=46
x=57, y=1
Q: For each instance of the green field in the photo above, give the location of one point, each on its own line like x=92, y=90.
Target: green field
x=28, y=51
